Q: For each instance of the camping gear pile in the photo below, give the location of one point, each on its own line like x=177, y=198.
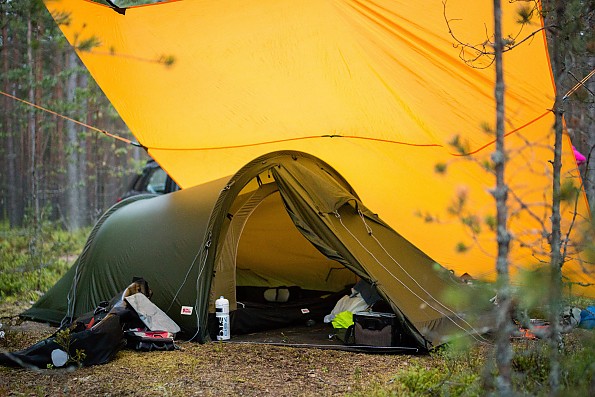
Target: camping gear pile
x=570, y=318
x=587, y=318
x=356, y=323
x=128, y=320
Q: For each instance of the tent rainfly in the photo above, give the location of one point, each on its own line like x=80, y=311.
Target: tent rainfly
x=285, y=219
x=377, y=89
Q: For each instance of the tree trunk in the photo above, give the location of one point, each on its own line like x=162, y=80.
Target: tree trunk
x=20, y=140
x=57, y=150
x=41, y=140
x=556, y=259
x=503, y=347
x=32, y=128
x=35, y=242
x=83, y=84
x=14, y=215
x=590, y=139
x=73, y=202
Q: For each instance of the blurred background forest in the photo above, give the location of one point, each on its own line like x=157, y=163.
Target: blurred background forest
x=54, y=168
x=57, y=170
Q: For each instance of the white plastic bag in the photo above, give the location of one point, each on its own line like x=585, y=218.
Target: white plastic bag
x=353, y=303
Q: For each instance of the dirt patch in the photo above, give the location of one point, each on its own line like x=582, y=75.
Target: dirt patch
x=202, y=370
x=214, y=369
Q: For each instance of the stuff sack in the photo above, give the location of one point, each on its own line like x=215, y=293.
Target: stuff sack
x=98, y=345
x=374, y=329
x=143, y=340
x=343, y=326
x=588, y=318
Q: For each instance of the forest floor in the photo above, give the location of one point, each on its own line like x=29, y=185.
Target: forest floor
x=212, y=369
x=235, y=369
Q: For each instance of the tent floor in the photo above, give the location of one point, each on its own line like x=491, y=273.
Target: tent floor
x=320, y=336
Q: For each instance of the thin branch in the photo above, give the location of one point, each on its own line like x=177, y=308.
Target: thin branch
x=481, y=50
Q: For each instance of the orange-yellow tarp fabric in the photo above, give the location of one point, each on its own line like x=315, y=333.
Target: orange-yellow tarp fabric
x=375, y=88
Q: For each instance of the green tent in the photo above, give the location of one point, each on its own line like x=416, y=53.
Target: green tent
x=284, y=219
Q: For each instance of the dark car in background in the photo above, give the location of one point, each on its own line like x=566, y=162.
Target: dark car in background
x=152, y=179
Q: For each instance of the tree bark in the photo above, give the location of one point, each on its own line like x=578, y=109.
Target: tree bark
x=58, y=158
x=32, y=127
x=555, y=292
x=14, y=215
x=589, y=174
x=83, y=83
x=503, y=347
x=35, y=241
x=73, y=202
x=41, y=139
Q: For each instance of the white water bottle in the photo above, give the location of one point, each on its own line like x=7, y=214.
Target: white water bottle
x=222, y=314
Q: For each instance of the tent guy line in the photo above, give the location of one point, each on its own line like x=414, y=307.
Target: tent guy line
x=125, y=140
x=446, y=316
x=581, y=83
x=138, y=144
x=456, y=315
x=198, y=278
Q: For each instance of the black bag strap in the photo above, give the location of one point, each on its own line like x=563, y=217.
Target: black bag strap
x=350, y=336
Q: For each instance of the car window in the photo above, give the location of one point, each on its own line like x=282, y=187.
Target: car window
x=157, y=180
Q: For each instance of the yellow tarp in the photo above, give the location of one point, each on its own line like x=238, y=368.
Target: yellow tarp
x=374, y=88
